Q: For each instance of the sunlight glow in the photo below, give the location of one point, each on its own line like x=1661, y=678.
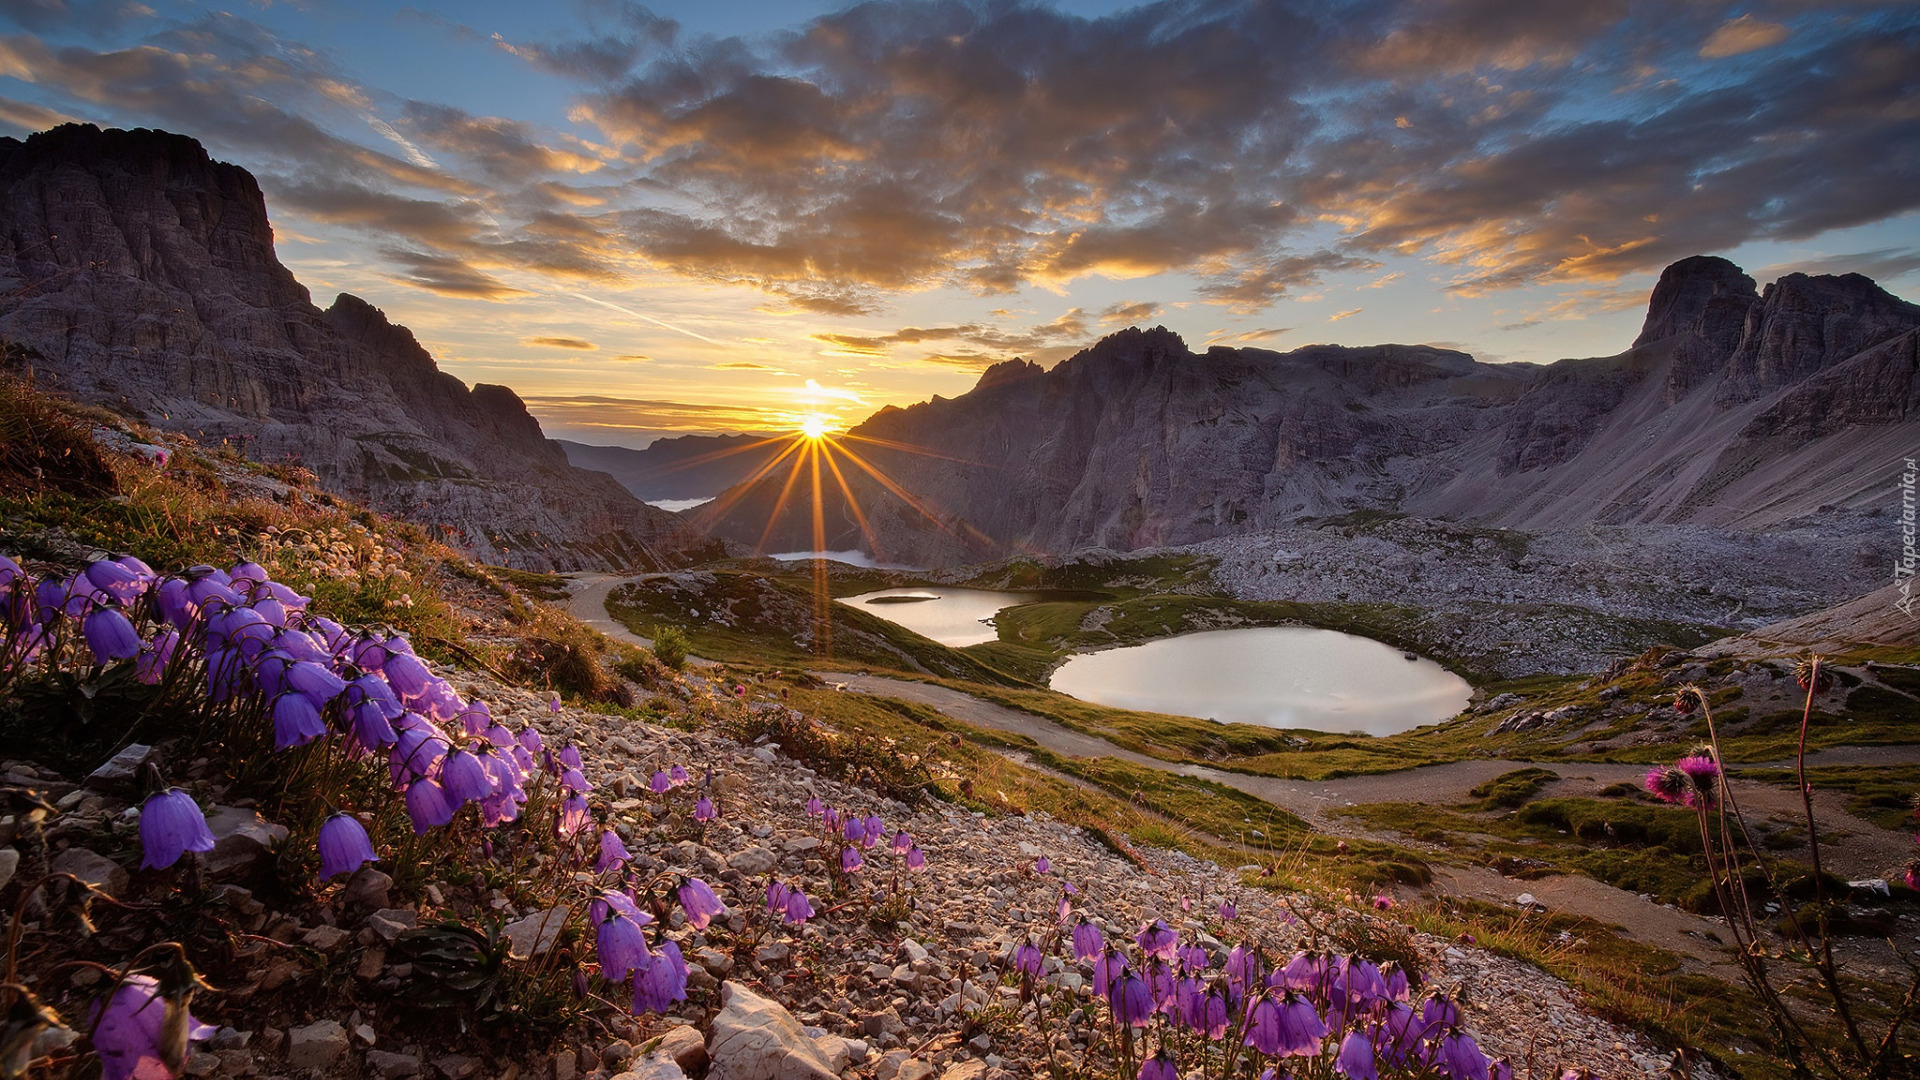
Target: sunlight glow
x=816, y=426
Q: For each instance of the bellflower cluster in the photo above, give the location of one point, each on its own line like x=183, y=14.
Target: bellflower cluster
x=1325, y=1014
x=856, y=835
x=247, y=650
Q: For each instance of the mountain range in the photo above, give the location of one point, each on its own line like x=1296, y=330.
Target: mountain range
x=1734, y=408
x=137, y=273
x=679, y=467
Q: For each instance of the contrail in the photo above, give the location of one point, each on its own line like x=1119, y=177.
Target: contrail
x=649, y=318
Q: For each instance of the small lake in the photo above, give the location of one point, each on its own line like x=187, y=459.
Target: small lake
x=1276, y=676
x=851, y=558
x=953, y=617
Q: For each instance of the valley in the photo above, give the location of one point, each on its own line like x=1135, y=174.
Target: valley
x=1624, y=558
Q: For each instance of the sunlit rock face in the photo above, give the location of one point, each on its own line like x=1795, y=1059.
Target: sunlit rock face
x=1734, y=408
x=143, y=276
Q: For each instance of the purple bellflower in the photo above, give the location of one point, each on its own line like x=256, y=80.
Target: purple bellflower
x=171, y=825
x=344, y=846
x=295, y=721
x=1027, y=959
x=1088, y=942
x=141, y=1035
x=797, y=908
x=622, y=945
x=612, y=852
x=701, y=905
x=1355, y=1060
x=111, y=636
x=660, y=981
x=1158, y=1067
x=1157, y=939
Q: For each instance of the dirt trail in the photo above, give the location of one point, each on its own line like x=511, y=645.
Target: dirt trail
x=588, y=603
x=1857, y=848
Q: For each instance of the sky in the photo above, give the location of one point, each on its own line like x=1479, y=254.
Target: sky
x=730, y=214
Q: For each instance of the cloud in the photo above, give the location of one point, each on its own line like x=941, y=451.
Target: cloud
x=1797, y=147
x=28, y=117
x=1249, y=337
x=1347, y=314
x=1451, y=36
x=448, y=276
x=641, y=414
x=1384, y=281
x=1042, y=342
x=1743, y=35
x=894, y=148
x=560, y=343
x=1130, y=311
x=1880, y=264
x=413, y=153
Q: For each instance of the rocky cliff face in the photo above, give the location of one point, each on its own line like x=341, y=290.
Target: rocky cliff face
x=1733, y=409
x=143, y=274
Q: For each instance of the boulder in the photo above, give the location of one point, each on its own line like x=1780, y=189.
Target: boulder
x=755, y=1038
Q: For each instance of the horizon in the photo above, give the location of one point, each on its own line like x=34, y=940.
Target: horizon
x=728, y=217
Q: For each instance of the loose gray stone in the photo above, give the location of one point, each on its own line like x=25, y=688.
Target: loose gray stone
x=535, y=934
x=367, y=888
x=316, y=1045
x=390, y=923
x=754, y=861
x=242, y=841
x=122, y=769
x=393, y=1066
x=93, y=868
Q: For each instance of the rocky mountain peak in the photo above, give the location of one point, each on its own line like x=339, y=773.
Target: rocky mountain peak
x=1704, y=295
x=1807, y=323
x=1140, y=346
x=155, y=290
x=1007, y=371
x=183, y=220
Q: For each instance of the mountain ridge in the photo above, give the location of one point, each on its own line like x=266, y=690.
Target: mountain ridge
x=142, y=274
x=1734, y=408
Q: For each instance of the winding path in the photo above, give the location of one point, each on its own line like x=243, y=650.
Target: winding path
x=1859, y=848
x=588, y=602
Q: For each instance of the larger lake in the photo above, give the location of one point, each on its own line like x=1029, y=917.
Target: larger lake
x=952, y=617
x=1278, y=676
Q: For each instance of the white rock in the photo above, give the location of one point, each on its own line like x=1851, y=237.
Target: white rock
x=757, y=1039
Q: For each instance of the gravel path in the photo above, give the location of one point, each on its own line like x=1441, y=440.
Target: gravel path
x=588, y=603
x=1854, y=848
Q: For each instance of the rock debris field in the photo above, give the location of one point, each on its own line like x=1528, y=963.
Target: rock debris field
x=847, y=998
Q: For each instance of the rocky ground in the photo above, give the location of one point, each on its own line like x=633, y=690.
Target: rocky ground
x=915, y=995
x=1519, y=603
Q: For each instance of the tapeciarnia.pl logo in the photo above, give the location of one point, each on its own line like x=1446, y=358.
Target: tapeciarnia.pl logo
x=1903, y=568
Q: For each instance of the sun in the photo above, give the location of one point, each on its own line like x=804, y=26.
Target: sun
x=815, y=426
